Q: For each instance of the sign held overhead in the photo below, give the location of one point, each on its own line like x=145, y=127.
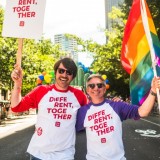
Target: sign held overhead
x=24, y=18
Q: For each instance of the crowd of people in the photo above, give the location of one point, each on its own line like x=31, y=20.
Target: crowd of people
x=62, y=108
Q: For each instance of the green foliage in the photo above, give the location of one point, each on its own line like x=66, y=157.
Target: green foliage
x=7, y=60
x=38, y=57
x=7, y=56
x=107, y=57
x=1, y=19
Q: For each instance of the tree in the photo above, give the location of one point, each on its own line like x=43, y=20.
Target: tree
x=107, y=57
x=7, y=54
x=38, y=57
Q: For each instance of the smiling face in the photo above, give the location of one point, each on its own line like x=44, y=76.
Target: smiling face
x=96, y=89
x=63, y=77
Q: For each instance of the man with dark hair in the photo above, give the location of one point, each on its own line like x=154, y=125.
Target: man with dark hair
x=57, y=104
x=67, y=63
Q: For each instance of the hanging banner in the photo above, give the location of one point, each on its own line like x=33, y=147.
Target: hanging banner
x=24, y=18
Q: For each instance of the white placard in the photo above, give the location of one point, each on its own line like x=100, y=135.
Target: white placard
x=24, y=18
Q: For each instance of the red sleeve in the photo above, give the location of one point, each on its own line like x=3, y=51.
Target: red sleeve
x=32, y=99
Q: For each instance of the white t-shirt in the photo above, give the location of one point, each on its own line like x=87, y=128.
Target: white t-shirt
x=103, y=124
x=54, y=137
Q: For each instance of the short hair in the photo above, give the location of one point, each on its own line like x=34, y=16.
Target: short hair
x=68, y=63
x=96, y=76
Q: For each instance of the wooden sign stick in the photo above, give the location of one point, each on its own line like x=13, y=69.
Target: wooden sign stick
x=19, y=52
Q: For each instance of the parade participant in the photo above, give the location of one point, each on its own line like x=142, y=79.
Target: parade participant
x=57, y=104
x=102, y=118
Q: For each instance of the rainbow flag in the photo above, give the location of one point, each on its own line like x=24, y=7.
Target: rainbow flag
x=136, y=55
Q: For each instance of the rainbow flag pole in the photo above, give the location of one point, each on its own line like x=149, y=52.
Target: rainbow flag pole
x=148, y=35
x=147, y=31
x=140, y=54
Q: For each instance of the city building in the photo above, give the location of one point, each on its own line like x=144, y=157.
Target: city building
x=65, y=43
x=108, y=8
x=68, y=45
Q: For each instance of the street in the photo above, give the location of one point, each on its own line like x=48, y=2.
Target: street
x=141, y=141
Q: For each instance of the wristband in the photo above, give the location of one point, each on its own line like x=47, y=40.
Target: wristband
x=152, y=93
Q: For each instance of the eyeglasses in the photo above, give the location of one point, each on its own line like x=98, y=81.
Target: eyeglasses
x=99, y=85
x=61, y=71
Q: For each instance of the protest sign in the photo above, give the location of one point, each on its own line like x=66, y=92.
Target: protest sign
x=24, y=18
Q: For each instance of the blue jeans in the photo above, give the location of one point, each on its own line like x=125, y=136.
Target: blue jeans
x=34, y=158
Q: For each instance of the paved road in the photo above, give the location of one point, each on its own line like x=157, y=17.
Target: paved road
x=141, y=140
x=15, y=135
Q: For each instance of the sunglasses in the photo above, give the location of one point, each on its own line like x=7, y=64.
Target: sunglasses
x=61, y=71
x=99, y=85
